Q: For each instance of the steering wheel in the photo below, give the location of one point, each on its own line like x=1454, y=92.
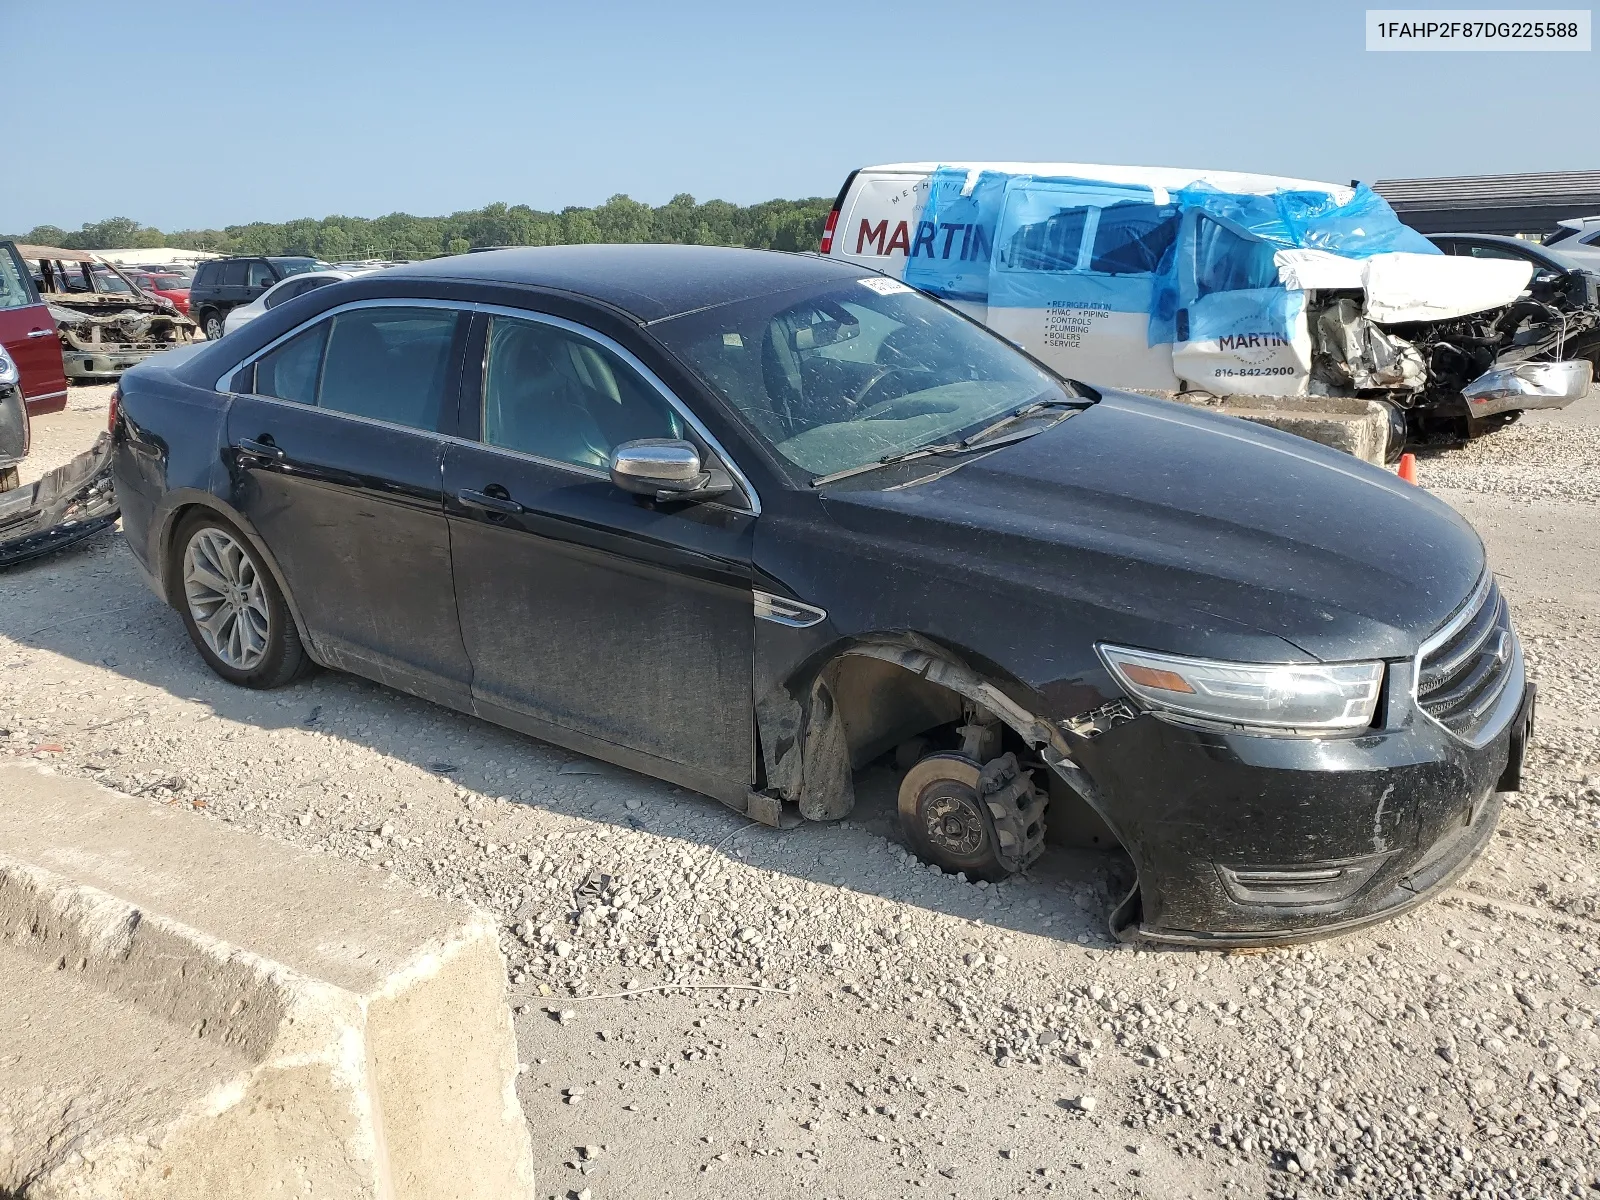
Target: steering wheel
x=877, y=377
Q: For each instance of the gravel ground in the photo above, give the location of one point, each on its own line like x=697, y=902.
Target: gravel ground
x=895, y=1032
x=60, y=437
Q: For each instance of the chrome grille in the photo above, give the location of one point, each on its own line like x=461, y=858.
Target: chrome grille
x=1464, y=669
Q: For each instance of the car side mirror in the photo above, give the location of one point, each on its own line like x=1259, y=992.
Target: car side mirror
x=1547, y=275
x=662, y=468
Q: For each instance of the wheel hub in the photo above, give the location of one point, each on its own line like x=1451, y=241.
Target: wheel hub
x=954, y=823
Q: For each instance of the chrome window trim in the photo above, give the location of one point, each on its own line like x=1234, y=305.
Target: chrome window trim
x=1510, y=698
x=523, y=455
x=520, y=314
x=221, y=384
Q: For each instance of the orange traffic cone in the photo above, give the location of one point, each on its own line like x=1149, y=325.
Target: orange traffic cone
x=1408, y=467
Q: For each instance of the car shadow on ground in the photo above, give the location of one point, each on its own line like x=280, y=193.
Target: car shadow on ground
x=89, y=604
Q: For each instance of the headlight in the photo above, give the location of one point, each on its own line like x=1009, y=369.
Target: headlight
x=9, y=375
x=1273, y=697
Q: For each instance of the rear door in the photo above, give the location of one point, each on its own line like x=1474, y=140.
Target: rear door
x=336, y=443
x=29, y=336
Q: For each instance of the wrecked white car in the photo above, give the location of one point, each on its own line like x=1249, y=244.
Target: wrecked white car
x=105, y=322
x=1178, y=281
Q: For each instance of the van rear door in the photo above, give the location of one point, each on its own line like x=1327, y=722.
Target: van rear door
x=29, y=335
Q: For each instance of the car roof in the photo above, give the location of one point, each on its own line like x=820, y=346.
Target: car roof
x=649, y=281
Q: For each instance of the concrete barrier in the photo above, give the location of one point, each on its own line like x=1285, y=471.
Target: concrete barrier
x=190, y=1012
x=1358, y=427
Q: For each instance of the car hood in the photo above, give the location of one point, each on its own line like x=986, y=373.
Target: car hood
x=1189, y=532
x=1402, y=286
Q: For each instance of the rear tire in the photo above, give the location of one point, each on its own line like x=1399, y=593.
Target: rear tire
x=231, y=606
x=211, y=322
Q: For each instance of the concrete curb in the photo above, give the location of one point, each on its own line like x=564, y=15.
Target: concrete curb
x=190, y=1011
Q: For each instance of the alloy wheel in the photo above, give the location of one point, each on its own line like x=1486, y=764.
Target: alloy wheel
x=226, y=598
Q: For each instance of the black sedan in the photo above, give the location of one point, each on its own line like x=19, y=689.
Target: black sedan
x=750, y=521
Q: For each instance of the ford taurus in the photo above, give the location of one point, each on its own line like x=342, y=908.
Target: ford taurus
x=749, y=521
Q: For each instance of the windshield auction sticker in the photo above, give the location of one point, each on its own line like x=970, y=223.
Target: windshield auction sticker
x=884, y=286
x=1477, y=29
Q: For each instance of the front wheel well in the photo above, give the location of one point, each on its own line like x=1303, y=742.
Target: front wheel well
x=872, y=695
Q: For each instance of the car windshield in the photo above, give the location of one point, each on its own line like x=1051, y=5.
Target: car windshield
x=862, y=371
x=294, y=266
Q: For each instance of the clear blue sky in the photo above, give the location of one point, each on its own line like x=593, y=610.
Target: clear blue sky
x=197, y=114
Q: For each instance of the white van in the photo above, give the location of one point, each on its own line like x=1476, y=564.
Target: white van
x=1169, y=279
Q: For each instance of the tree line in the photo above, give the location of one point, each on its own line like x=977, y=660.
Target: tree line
x=773, y=225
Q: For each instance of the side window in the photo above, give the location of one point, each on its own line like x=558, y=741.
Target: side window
x=14, y=290
x=1049, y=245
x=390, y=364
x=261, y=275
x=1484, y=250
x=290, y=371
x=1226, y=262
x=554, y=394
x=233, y=274
x=1132, y=237
x=287, y=292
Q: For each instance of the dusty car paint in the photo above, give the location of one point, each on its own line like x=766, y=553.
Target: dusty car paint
x=869, y=609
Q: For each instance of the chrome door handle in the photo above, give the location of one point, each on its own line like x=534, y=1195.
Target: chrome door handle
x=259, y=449
x=40, y=332
x=488, y=503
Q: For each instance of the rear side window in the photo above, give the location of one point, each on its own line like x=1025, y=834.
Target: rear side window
x=389, y=364
x=233, y=274
x=290, y=371
x=1050, y=245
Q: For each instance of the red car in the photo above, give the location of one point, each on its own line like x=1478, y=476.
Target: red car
x=168, y=287
x=29, y=335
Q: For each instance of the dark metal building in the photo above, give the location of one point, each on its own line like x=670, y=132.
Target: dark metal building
x=1493, y=203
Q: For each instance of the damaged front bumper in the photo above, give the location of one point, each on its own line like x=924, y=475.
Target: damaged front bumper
x=1250, y=841
x=1526, y=385
x=67, y=505
x=100, y=365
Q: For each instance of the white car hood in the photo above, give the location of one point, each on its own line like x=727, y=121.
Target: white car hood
x=1404, y=287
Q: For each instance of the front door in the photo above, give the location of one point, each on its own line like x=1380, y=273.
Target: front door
x=336, y=448
x=29, y=336
x=593, y=611
x=1239, y=330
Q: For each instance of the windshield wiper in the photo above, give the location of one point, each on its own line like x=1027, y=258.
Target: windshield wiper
x=889, y=460
x=983, y=439
x=1015, y=415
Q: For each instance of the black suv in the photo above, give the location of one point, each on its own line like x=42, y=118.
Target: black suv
x=222, y=284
